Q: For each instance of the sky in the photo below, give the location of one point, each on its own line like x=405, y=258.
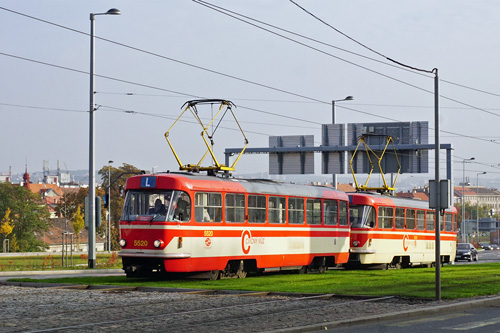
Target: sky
x=157, y=55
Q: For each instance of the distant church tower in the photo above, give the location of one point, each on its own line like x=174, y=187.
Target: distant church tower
x=26, y=178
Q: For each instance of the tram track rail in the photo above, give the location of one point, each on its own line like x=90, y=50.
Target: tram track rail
x=178, y=312
x=192, y=324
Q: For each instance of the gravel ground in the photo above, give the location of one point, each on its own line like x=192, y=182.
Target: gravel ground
x=26, y=309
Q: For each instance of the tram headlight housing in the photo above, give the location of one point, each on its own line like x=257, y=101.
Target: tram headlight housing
x=355, y=243
x=158, y=243
x=122, y=242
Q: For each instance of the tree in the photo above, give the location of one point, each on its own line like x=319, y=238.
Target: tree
x=28, y=217
x=6, y=226
x=117, y=180
x=78, y=224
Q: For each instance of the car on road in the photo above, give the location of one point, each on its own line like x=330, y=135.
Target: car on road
x=466, y=251
x=495, y=246
x=486, y=246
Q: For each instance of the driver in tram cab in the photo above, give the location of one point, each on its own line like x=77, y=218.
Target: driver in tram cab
x=158, y=209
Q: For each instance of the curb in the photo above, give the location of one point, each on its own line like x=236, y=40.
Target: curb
x=62, y=272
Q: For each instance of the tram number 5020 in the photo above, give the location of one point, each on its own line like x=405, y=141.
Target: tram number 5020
x=208, y=233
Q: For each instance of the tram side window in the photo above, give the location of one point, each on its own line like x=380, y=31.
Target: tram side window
x=313, y=209
x=235, y=208
x=182, y=206
x=277, y=210
x=410, y=219
x=343, y=213
x=296, y=210
x=257, y=208
x=400, y=218
x=420, y=220
x=208, y=207
x=430, y=220
x=448, y=222
x=455, y=227
x=386, y=217
x=330, y=212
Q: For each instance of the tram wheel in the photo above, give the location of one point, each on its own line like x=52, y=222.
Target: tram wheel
x=302, y=270
x=321, y=269
x=241, y=274
x=213, y=275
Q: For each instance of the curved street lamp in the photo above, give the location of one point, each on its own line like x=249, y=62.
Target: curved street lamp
x=92, y=210
x=348, y=98
x=463, y=195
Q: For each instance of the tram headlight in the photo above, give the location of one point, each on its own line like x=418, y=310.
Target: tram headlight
x=122, y=242
x=355, y=243
x=158, y=243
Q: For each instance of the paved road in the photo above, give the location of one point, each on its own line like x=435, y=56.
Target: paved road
x=484, y=257
x=482, y=319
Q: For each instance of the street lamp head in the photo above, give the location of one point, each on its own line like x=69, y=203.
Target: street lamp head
x=349, y=98
x=111, y=162
x=113, y=11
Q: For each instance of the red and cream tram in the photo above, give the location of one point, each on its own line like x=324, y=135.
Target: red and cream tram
x=182, y=222
x=397, y=233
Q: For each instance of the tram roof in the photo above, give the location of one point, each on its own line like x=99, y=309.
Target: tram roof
x=384, y=200
x=199, y=182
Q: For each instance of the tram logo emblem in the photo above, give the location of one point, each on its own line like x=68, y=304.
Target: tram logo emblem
x=208, y=242
x=407, y=242
x=247, y=241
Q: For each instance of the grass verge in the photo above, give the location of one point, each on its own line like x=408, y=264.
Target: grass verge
x=51, y=262
x=456, y=282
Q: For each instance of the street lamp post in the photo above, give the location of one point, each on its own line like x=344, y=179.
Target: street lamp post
x=348, y=98
x=109, y=206
x=477, y=204
x=463, y=195
x=92, y=210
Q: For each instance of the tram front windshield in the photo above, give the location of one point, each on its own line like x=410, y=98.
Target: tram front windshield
x=158, y=205
x=361, y=216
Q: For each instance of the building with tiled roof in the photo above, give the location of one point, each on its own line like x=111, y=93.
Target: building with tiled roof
x=54, y=237
x=481, y=195
x=420, y=193
x=346, y=187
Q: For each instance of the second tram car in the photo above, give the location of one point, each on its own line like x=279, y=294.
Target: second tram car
x=397, y=233
x=183, y=222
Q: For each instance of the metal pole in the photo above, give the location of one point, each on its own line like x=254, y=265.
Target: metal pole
x=92, y=210
x=463, y=200
x=477, y=208
x=463, y=196
x=334, y=176
x=92, y=255
x=348, y=98
x=71, y=249
x=437, y=219
x=109, y=206
x=477, y=205
x=62, y=249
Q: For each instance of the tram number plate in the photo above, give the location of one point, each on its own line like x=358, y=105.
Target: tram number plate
x=208, y=233
x=141, y=243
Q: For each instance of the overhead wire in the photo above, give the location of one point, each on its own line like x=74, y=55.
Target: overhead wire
x=409, y=68
x=199, y=67
x=208, y=5
x=361, y=44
